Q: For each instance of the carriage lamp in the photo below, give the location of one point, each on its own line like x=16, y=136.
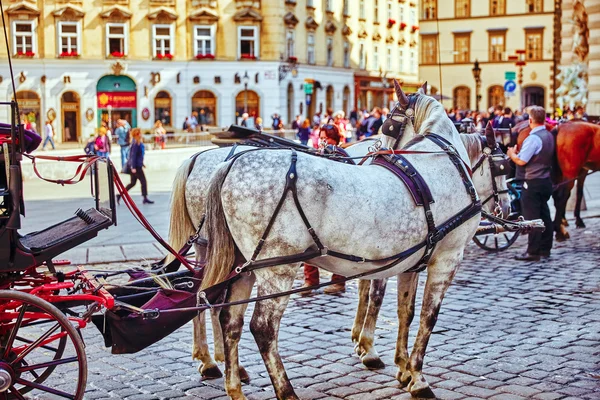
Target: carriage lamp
x=245, y=80
x=477, y=75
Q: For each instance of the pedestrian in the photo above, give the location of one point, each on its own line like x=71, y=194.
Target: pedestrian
x=331, y=135
x=136, y=162
x=160, y=135
x=276, y=121
x=536, y=157
x=317, y=118
x=124, y=140
x=101, y=145
x=506, y=121
x=297, y=122
x=258, y=124
x=304, y=132
x=48, y=135
x=370, y=126
x=244, y=122
x=203, y=119
x=186, y=125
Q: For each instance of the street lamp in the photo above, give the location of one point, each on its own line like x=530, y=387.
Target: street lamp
x=477, y=75
x=245, y=79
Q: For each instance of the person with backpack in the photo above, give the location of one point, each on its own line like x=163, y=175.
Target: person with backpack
x=123, y=139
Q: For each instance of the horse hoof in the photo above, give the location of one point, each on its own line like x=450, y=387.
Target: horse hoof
x=403, y=378
x=211, y=372
x=424, y=393
x=358, y=349
x=373, y=363
x=579, y=224
x=244, y=377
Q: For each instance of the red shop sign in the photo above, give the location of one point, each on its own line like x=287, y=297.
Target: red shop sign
x=117, y=99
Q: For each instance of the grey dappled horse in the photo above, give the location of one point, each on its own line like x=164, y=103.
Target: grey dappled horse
x=243, y=198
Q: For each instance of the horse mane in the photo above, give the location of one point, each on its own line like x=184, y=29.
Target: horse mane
x=472, y=143
x=430, y=117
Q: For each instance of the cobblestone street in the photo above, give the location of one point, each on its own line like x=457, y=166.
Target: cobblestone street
x=507, y=330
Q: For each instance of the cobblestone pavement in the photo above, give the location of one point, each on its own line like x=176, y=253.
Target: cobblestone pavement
x=507, y=330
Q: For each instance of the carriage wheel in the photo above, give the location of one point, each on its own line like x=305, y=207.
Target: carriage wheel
x=497, y=242
x=40, y=350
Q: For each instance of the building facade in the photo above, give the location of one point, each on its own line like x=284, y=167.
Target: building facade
x=80, y=62
x=511, y=40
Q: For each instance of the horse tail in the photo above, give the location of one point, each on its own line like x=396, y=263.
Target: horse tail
x=180, y=224
x=221, y=248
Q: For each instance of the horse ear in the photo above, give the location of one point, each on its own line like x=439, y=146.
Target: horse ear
x=402, y=99
x=490, y=135
x=424, y=87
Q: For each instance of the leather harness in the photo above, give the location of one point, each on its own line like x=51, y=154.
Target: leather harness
x=435, y=233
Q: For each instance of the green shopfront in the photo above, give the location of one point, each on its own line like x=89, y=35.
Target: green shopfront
x=117, y=99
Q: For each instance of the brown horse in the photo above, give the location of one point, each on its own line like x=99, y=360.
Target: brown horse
x=577, y=152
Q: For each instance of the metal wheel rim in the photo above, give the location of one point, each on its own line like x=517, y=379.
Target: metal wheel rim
x=62, y=323
x=509, y=239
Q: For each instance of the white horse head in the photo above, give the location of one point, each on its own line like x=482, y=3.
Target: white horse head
x=490, y=166
x=418, y=114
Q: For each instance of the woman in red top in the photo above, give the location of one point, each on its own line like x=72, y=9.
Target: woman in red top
x=331, y=135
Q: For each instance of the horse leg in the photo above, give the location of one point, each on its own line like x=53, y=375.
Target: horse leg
x=208, y=368
x=580, y=181
x=560, y=202
x=440, y=272
x=361, y=310
x=266, y=321
x=232, y=322
x=215, y=314
x=407, y=293
x=366, y=350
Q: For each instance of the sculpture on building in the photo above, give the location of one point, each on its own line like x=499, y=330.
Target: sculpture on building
x=573, y=89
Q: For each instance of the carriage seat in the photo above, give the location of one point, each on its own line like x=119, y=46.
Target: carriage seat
x=66, y=235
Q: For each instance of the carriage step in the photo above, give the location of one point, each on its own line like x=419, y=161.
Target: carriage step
x=67, y=234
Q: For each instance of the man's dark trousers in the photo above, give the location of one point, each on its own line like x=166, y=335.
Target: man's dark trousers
x=534, y=202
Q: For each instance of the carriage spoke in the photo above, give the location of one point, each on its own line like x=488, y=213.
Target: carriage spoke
x=35, y=344
x=53, y=363
x=507, y=238
x=35, y=375
x=16, y=393
x=496, y=241
x=13, y=333
x=54, y=349
x=45, y=389
x=485, y=239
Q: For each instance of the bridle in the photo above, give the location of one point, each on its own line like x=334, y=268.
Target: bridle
x=499, y=166
x=396, y=121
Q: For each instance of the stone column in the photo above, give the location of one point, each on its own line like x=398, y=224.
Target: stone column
x=593, y=10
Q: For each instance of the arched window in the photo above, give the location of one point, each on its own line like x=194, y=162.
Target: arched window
x=29, y=106
x=495, y=96
x=204, y=107
x=346, y=101
x=70, y=117
x=462, y=97
x=329, y=99
x=163, y=108
x=247, y=101
x=290, y=103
